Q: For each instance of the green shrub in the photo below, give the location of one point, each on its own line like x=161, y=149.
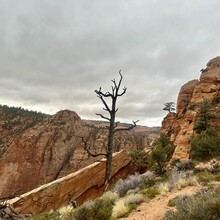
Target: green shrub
x=139, y=160
x=151, y=192
x=206, y=177
x=45, y=216
x=98, y=210
x=134, y=199
x=206, y=145
x=202, y=122
x=172, y=202
x=161, y=154
x=202, y=206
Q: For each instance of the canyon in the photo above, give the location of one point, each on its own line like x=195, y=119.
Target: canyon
x=37, y=148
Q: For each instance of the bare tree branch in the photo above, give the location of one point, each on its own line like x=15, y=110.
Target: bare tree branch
x=102, y=116
x=124, y=91
x=129, y=128
x=105, y=104
x=85, y=147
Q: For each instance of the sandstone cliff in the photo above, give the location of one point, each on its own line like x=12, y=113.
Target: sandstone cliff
x=83, y=185
x=53, y=148
x=14, y=122
x=179, y=126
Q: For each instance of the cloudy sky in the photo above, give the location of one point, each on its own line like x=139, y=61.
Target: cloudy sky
x=55, y=53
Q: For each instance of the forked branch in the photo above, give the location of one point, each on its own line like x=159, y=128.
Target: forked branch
x=128, y=128
x=85, y=147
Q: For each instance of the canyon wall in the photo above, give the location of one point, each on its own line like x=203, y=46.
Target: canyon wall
x=51, y=147
x=179, y=126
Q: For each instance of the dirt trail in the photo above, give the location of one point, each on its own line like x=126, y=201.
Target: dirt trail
x=156, y=208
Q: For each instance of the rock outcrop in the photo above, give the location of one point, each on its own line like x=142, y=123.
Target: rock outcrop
x=85, y=184
x=39, y=154
x=52, y=148
x=179, y=126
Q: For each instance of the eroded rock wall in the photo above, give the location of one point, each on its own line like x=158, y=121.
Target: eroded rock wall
x=179, y=126
x=53, y=148
x=85, y=184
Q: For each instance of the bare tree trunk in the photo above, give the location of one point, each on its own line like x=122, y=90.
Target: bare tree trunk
x=110, y=149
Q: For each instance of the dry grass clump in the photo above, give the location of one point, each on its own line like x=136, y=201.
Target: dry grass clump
x=204, y=205
x=164, y=188
x=134, y=199
x=120, y=209
x=177, y=180
x=65, y=210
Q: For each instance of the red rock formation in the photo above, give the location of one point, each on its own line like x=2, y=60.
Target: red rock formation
x=179, y=126
x=85, y=184
x=53, y=148
x=39, y=154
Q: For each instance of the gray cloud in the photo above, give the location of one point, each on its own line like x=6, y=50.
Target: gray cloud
x=55, y=53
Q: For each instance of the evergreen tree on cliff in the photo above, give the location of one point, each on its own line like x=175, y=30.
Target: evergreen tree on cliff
x=169, y=106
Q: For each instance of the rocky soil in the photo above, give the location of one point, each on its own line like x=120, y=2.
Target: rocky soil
x=157, y=207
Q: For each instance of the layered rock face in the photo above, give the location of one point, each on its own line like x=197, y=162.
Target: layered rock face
x=39, y=154
x=53, y=148
x=14, y=122
x=85, y=184
x=179, y=126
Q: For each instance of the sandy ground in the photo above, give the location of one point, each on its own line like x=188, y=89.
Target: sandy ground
x=156, y=208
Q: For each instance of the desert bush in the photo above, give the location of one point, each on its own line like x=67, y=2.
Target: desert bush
x=139, y=160
x=134, y=199
x=179, y=179
x=66, y=210
x=172, y=202
x=206, y=177
x=182, y=166
x=150, y=192
x=110, y=196
x=133, y=182
x=45, y=216
x=202, y=121
x=161, y=153
x=206, y=144
x=97, y=210
x=202, y=206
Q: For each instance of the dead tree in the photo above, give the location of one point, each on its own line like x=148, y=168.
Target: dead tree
x=111, y=109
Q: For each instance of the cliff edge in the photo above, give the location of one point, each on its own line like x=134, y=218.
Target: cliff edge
x=180, y=126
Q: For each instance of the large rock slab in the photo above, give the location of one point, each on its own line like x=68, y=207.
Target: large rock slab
x=85, y=184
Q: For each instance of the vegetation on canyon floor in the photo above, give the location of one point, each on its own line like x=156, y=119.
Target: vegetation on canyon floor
x=127, y=194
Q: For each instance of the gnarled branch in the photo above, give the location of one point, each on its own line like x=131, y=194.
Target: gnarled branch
x=85, y=147
x=102, y=116
x=127, y=129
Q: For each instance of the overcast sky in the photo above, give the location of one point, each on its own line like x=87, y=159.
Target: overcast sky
x=55, y=53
